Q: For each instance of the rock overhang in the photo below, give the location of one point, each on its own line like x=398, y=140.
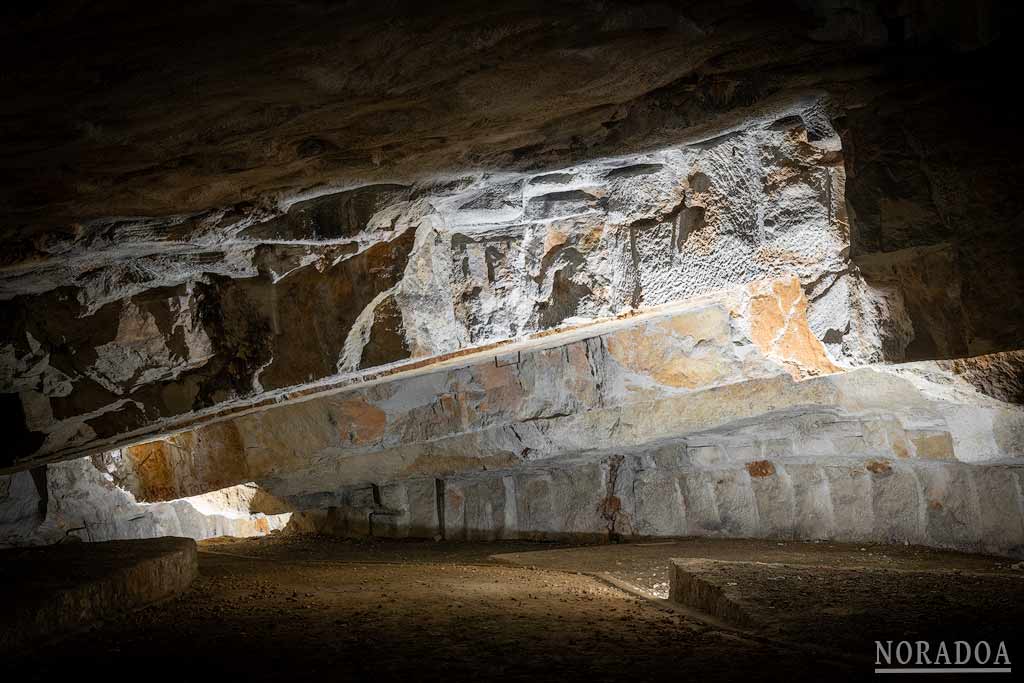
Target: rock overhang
x=234, y=265
x=383, y=273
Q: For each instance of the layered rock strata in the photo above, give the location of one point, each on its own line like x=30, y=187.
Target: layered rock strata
x=723, y=415
x=346, y=282
x=86, y=503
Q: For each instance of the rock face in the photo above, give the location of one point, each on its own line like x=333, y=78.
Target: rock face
x=667, y=491
x=721, y=415
x=547, y=248
x=141, y=122
x=932, y=229
x=88, y=503
x=351, y=281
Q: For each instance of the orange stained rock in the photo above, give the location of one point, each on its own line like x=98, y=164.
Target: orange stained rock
x=666, y=350
x=936, y=446
x=878, y=466
x=151, y=464
x=760, y=468
x=778, y=326
x=554, y=238
x=360, y=421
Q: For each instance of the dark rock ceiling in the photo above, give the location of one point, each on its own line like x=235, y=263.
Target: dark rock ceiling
x=114, y=110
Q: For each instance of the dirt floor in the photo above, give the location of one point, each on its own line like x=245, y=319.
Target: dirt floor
x=644, y=564
x=309, y=608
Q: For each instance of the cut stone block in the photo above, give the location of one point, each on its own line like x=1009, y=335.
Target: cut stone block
x=56, y=589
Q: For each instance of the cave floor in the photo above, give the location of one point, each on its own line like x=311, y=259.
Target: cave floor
x=302, y=608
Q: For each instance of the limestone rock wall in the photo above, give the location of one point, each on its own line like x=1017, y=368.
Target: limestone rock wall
x=217, y=311
x=1000, y=375
x=711, y=226
x=353, y=280
x=731, y=382
x=85, y=376
x=87, y=504
x=526, y=253
x=666, y=492
x=832, y=460
x=931, y=188
x=731, y=379
x=669, y=490
x=513, y=403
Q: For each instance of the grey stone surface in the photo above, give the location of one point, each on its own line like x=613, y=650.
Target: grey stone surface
x=959, y=506
x=402, y=265
x=86, y=505
x=53, y=590
x=775, y=499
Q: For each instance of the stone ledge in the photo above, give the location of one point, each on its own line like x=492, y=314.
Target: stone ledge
x=56, y=589
x=701, y=585
x=846, y=608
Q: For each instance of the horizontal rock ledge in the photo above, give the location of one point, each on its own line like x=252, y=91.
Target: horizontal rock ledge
x=60, y=588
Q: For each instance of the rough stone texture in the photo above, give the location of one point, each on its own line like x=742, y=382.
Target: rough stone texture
x=945, y=229
x=691, y=586
x=380, y=201
x=687, y=369
x=181, y=465
x=50, y=591
x=427, y=270
x=363, y=93
x=727, y=416
x=812, y=501
x=976, y=508
x=718, y=429
x=172, y=350
x=85, y=504
x=479, y=239
x=1000, y=375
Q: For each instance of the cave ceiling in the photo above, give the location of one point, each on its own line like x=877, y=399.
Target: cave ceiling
x=208, y=207
x=114, y=112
